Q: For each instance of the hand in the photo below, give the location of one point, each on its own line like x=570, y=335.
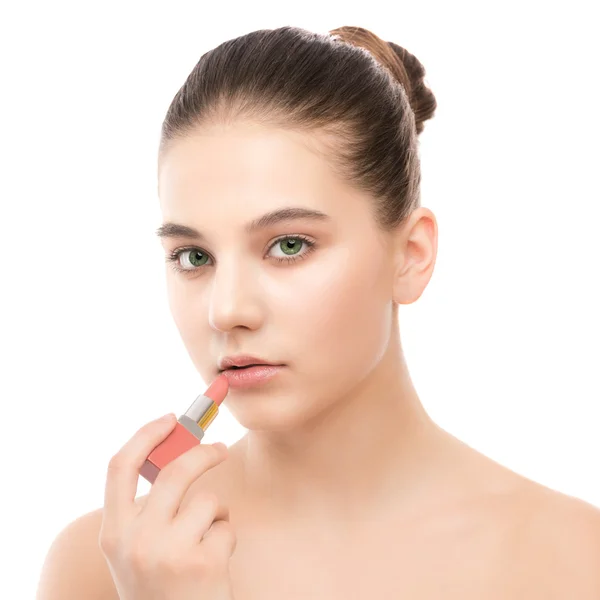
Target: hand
x=153, y=551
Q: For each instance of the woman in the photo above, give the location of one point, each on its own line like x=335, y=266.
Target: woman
x=343, y=486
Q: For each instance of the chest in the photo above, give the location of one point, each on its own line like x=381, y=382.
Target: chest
x=417, y=563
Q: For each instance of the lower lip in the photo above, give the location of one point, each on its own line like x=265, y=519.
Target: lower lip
x=251, y=376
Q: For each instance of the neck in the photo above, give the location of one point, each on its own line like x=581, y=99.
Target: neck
x=367, y=451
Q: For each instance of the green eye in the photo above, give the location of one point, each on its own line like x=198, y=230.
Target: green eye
x=290, y=245
x=197, y=255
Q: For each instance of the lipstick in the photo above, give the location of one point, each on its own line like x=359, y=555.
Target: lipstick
x=189, y=429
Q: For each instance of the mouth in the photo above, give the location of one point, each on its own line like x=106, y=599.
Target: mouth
x=233, y=368
x=243, y=362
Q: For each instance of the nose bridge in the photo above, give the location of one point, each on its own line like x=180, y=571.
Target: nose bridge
x=233, y=295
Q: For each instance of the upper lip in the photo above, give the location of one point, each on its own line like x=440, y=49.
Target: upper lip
x=242, y=360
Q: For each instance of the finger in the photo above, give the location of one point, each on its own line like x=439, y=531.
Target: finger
x=174, y=480
x=219, y=541
x=192, y=522
x=124, y=468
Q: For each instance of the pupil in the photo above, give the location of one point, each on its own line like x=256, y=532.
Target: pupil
x=290, y=245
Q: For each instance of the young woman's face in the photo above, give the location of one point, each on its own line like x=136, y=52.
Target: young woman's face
x=325, y=311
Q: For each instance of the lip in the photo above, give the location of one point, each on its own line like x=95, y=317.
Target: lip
x=242, y=360
x=251, y=376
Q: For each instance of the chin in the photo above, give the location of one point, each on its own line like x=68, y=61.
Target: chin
x=276, y=412
x=280, y=413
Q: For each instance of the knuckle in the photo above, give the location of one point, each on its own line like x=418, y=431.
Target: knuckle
x=223, y=527
x=228, y=532
x=216, y=451
x=116, y=462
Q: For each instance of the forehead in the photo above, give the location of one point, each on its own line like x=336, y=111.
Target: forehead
x=246, y=163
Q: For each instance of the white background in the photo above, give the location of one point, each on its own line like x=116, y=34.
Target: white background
x=503, y=344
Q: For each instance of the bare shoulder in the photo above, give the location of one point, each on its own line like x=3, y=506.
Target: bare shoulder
x=545, y=543
x=562, y=541
x=74, y=566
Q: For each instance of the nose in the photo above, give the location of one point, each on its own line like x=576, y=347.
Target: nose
x=236, y=299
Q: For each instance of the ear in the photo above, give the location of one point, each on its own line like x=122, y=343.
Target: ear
x=415, y=251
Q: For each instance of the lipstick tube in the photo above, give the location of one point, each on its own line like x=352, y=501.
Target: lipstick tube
x=189, y=429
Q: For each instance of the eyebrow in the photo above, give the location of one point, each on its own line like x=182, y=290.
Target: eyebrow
x=173, y=230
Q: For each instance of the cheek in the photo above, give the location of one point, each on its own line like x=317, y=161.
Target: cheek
x=345, y=319
x=186, y=309
x=176, y=303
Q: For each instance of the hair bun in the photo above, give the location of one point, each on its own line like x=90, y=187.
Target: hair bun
x=405, y=68
x=422, y=100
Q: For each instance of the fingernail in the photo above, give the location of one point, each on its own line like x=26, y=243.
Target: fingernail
x=167, y=417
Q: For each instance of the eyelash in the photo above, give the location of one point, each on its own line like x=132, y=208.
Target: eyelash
x=174, y=256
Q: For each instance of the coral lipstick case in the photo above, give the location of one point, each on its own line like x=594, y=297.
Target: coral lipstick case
x=188, y=432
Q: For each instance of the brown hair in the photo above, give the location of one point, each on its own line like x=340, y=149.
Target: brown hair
x=366, y=95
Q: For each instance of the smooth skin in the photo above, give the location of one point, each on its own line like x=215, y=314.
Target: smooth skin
x=343, y=487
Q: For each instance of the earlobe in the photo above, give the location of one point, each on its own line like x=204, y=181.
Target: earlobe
x=415, y=255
